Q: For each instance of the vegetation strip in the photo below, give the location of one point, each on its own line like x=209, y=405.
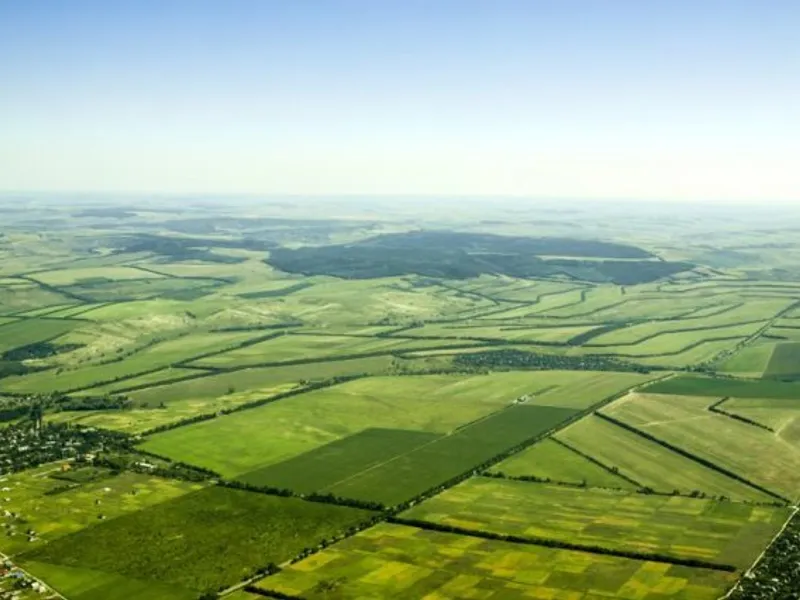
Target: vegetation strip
x=689, y=455
x=548, y=543
x=715, y=408
x=612, y=470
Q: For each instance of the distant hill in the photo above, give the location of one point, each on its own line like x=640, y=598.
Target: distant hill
x=457, y=255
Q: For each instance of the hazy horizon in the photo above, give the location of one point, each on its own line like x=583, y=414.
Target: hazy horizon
x=537, y=100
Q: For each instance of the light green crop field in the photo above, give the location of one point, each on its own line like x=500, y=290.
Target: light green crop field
x=719, y=532
x=242, y=442
x=750, y=361
x=550, y=460
x=779, y=415
x=751, y=452
x=650, y=464
x=397, y=561
x=53, y=516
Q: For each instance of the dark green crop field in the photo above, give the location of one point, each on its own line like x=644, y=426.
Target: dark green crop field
x=339, y=461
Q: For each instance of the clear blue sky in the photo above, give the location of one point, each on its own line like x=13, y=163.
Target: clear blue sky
x=575, y=98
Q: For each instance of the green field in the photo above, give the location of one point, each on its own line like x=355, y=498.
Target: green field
x=649, y=464
x=693, y=385
x=751, y=452
x=204, y=541
x=240, y=443
x=785, y=360
x=338, y=461
x=779, y=415
x=550, y=460
x=429, y=465
x=244, y=442
x=396, y=561
x=79, y=583
x=719, y=532
x=750, y=361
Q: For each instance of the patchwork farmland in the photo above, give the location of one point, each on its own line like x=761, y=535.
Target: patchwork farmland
x=247, y=407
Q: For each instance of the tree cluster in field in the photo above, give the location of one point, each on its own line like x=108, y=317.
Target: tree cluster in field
x=715, y=408
x=152, y=464
x=37, y=350
x=312, y=497
x=186, y=248
x=777, y=575
x=457, y=255
x=11, y=367
x=32, y=443
x=16, y=407
x=511, y=358
x=550, y=543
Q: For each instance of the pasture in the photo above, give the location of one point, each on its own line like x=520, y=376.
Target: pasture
x=651, y=465
x=779, y=415
x=204, y=541
x=724, y=533
x=397, y=561
x=751, y=452
x=550, y=460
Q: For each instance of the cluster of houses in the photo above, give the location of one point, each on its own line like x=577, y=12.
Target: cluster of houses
x=24, y=445
x=15, y=584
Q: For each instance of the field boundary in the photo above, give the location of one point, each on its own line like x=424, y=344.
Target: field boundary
x=686, y=454
x=551, y=543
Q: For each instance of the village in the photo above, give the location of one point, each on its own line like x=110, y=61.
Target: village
x=16, y=584
x=30, y=443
